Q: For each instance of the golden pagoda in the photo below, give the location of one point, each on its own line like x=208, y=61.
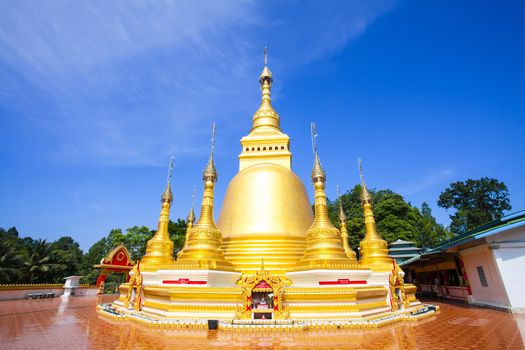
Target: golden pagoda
x=374, y=250
x=269, y=257
x=159, y=249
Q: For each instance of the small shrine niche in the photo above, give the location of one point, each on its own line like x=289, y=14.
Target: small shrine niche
x=262, y=296
x=262, y=301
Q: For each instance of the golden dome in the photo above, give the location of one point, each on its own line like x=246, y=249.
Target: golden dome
x=265, y=214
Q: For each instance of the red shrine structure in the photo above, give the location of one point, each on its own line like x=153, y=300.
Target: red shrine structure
x=117, y=261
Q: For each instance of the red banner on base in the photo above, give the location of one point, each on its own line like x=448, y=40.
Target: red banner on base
x=341, y=281
x=183, y=281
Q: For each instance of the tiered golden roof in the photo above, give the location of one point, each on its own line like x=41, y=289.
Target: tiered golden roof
x=159, y=249
x=374, y=250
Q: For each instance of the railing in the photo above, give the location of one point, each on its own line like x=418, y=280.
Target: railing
x=452, y=292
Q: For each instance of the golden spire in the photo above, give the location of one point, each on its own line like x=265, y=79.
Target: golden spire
x=344, y=233
x=191, y=216
x=210, y=173
x=159, y=249
x=374, y=250
x=265, y=118
x=190, y=220
x=324, y=247
x=203, y=244
x=318, y=173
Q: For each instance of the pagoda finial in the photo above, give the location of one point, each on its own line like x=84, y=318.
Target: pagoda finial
x=190, y=220
x=202, y=247
x=266, y=118
x=324, y=245
x=374, y=250
x=210, y=173
x=318, y=173
x=314, y=134
x=167, y=195
x=159, y=249
x=170, y=169
x=342, y=216
x=193, y=196
x=342, y=227
x=212, y=139
x=365, y=195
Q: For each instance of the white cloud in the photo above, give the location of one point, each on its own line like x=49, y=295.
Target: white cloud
x=112, y=82
x=427, y=181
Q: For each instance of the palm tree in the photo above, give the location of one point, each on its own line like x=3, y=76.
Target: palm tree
x=10, y=261
x=38, y=259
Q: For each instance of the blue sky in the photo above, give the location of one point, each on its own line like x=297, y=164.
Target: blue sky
x=96, y=95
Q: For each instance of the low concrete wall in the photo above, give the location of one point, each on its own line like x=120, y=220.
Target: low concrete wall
x=21, y=291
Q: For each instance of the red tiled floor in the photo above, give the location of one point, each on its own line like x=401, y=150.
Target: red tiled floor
x=73, y=323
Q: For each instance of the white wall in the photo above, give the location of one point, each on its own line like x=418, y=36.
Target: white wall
x=21, y=293
x=13, y=294
x=494, y=293
x=509, y=252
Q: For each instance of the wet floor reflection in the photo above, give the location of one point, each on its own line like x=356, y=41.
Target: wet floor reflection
x=39, y=324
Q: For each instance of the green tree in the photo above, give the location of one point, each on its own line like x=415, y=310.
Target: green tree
x=395, y=218
x=177, y=231
x=429, y=231
x=135, y=241
x=476, y=202
x=37, y=261
x=10, y=261
x=93, y=257
x=66, y=257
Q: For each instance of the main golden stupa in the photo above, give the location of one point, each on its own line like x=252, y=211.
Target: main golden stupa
x=269, y=259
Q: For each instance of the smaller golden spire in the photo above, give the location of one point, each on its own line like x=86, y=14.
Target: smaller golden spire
x=159, y=249
x=324, y=246
x=318, y=173
x=344, y=233
x=374, y=250
x=210, y=173
x=365, y=195
x=266, y=118
x=190, y=220
x=202, y=249
x=167, y=195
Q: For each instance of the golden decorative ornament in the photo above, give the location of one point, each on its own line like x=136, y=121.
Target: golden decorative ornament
x=374, y=250
x=203, y=245
x=324, y=246
x=159, y=249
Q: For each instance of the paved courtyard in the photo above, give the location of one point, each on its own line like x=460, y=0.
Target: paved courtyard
x=74, y=324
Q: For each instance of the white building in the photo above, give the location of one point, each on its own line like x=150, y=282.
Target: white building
x=491, y=264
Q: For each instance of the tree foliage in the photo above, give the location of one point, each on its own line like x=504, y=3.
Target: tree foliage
x=395, y=218
x=476, y=202
x=10, y=261
x=37, y=261
x=66, y=258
